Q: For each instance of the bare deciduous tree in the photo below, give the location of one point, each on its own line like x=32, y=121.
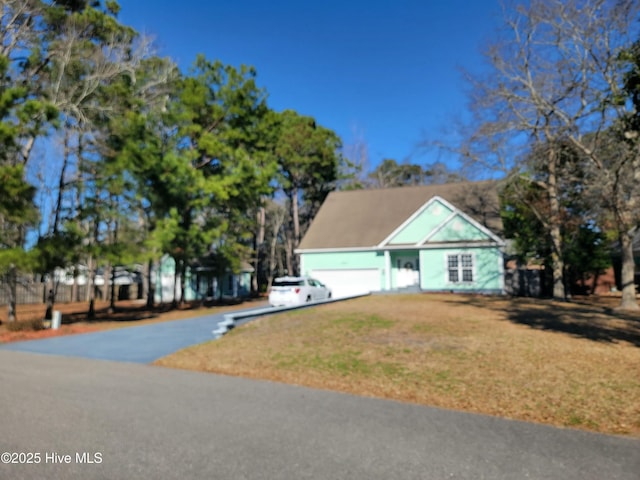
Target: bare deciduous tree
x=553, y=73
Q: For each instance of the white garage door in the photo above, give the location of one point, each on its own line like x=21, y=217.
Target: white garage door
x=349, y=282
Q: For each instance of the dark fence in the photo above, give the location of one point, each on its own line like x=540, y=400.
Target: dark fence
x=34, y=293
x=522, y=282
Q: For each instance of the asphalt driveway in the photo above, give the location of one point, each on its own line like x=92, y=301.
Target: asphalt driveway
x=141, y=344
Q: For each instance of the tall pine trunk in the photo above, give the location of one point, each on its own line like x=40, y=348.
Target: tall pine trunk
x=257, y=250
x=292, y=244
x=91, y=289
x=150, y=288
x=112, y=289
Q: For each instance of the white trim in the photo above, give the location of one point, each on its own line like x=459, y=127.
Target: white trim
x=387, y=269
x=337, y=250
x=439, y=228
x=482, y=228
x=456, y=212
x=430, y=246
x=411, y=219
x=454, y=245
x=460, y=268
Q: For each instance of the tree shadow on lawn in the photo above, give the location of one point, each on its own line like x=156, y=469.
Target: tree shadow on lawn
x=595, y=319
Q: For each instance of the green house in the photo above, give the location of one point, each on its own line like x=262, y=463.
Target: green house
x=421, y=238
x=201, y=282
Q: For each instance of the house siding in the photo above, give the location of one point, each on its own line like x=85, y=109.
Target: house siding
x=487, y=267
x=416, y=230
x=344, y=261
x=488, y=274
x=167, y=286
x=458, y=229
x=426, y=238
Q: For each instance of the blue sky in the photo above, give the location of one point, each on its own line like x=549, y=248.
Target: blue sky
x=382, y=72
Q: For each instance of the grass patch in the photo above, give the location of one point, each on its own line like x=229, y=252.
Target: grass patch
x=362, y=323
x=573, y=365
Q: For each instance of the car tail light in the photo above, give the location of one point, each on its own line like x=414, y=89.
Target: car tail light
x=297, y=290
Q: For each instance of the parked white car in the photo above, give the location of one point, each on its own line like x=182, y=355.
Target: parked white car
x=286, y=291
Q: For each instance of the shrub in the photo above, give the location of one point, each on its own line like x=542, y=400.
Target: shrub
x=25, y=326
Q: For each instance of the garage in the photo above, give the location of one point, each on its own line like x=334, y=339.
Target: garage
x=344, y=283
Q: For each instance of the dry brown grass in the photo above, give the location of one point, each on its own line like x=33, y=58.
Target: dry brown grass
x=566, y=364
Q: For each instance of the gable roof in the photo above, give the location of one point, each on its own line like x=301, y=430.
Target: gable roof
x=365, y=218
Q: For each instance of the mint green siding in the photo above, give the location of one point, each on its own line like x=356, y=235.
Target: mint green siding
x=458, y=229
x=487, y=270
x=198, y=285
x=344, y=261
x=422, y=225
x=416, y=255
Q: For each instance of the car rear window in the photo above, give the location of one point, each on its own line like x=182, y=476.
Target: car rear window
x=288, y=283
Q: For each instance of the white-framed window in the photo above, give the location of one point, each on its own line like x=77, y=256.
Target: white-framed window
x=460, y=268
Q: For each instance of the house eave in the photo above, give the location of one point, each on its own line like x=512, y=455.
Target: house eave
x=427, y=246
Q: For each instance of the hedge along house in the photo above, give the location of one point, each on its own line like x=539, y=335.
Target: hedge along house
x=429, y=238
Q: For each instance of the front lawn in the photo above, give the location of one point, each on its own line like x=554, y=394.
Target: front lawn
x=565, y=364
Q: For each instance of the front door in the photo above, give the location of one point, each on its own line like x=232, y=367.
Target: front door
x=407, y=272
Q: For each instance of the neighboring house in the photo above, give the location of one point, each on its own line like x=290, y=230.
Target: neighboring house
x=429, y=238
x=121, y=275
x=127, y=279
x=201, y=282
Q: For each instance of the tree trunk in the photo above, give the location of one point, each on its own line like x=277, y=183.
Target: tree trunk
x=183, y=281
x=596, y=279
x=176, y=274
x=112, y=288
x=627, y=277
x=11, y=305
x=75, y=291
x=554, y=228
x=104, y=288
x=295, y=213
x=272, y=259
x=289, y=256
x=61, y=181
x=293, y=243
x=91, y=290
x=277, y=218
x=51, y=298
x=27, y=148
x=557, y=264
x=259, y=240
x=150, y=289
